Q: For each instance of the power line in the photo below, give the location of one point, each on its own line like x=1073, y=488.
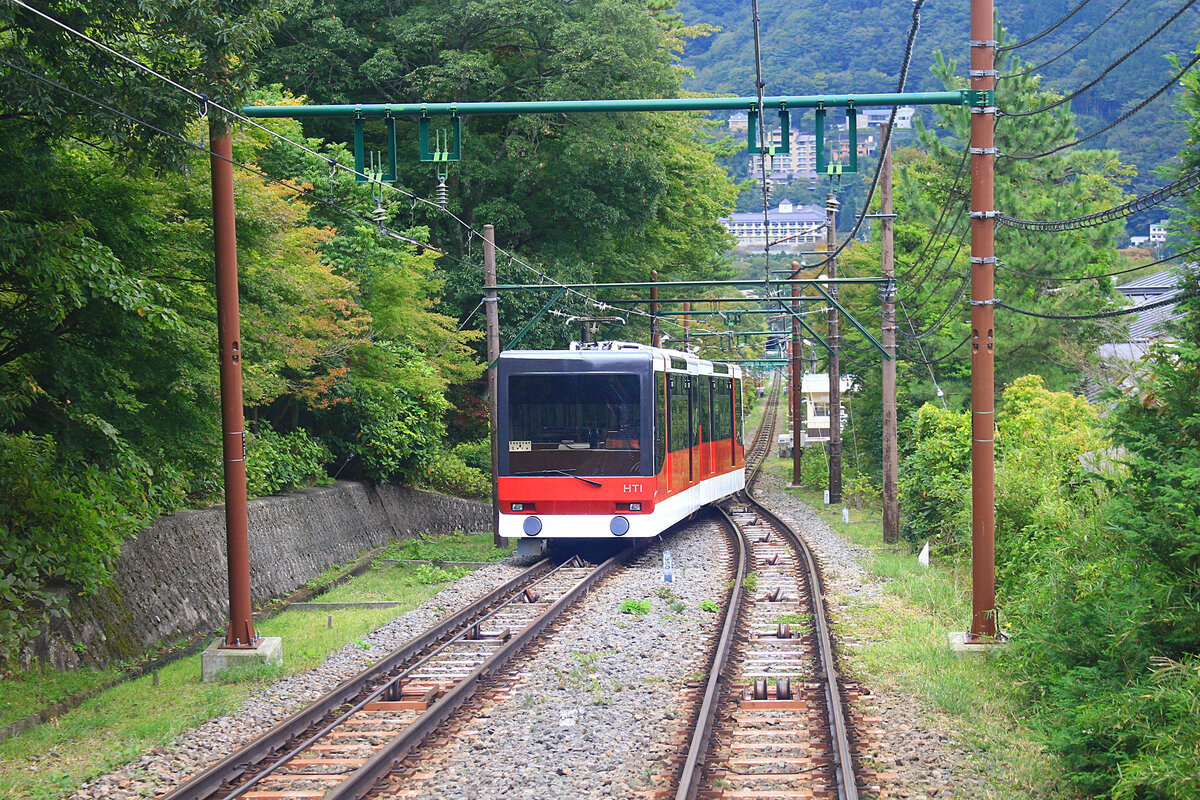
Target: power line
x=1114, y=123
x=1105, y=314
x=1157, y=197
x=1087, y=36
x=1082, y=278
x=759, y=85
x=306, y=193
x=1103, y=74
x=1045, y=32
x=904, y=65
x=205, y=101
x=939, y=359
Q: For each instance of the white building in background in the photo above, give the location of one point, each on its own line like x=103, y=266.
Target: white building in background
x=874, y=116
x=815, y=388
x=1158, y=232
x=792, y=228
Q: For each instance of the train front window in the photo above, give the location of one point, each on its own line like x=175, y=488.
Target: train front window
x=586, y=424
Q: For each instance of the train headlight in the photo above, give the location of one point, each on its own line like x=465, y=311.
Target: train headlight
x=619, y=526
x=635, y=506
x=532, y=526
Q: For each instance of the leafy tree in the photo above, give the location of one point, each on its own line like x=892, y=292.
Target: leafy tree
x=584, y=197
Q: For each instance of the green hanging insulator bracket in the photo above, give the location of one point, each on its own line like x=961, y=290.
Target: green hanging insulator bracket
x=823, y=165
x=360, y=152
x=785, y=138
x=451, y=150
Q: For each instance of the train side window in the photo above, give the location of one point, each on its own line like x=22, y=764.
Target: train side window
x=703, y=409
x=722, y=409
x=737, y=408
x=662, y=421
x=679, y=413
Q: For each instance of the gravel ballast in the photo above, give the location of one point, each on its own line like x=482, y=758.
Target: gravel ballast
x=159, y=770
x=594, y=712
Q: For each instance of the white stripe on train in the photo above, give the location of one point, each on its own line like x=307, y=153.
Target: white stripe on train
x=596, y=526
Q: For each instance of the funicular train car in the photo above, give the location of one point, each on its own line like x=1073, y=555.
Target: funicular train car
x=613, y=439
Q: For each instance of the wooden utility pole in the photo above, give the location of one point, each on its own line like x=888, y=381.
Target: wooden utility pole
x=797, y=381
x=983, y=267
x=492, y=317
x=233, y=435
x=687, y=324
x=891, y=467
x=835, y=378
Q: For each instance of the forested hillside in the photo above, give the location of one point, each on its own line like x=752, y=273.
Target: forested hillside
x=811, y=46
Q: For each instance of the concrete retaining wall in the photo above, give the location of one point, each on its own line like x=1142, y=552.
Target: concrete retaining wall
x=170, y=581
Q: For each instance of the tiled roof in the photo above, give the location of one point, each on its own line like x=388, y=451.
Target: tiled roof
x=1162, y=281
x=1148, y=324
x=798, y=214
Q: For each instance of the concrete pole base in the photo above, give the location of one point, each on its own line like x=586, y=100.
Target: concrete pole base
x=215, y=659
x=960, y=645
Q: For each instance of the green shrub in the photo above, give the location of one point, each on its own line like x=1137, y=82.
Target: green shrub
x=448, y=474
x=862, y=489
x=429, y=574
x=814, y=466
x=280, y=462
x=935, y=485
x=477, y=455
x=61, y=523
x=635, y=607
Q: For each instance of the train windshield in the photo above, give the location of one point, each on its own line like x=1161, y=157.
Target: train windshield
x=587, y=424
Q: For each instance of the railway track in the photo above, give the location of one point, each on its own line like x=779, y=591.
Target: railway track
x=345, y=742
x=772, y=722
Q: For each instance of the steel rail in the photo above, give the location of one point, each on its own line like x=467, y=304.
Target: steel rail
x=847, y=788
x=692, y=773
x=228, y=769
x=843, y=752
x=364, y=779
x=380, y=691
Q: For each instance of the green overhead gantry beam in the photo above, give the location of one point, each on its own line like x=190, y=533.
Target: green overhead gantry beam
x=964, y=97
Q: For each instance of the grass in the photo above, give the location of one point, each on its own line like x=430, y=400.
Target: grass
x=28, y=691
x=448, y=547
x=116, y=726
x=906, y=649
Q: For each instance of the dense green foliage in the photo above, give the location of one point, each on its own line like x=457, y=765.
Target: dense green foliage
x=584, y=197
x=353, y=353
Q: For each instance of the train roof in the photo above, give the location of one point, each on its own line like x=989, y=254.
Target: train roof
x=631, y=354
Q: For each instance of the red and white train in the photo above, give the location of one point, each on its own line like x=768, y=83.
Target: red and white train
x=613, y=439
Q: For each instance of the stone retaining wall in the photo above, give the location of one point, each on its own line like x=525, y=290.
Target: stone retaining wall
x=170, y=581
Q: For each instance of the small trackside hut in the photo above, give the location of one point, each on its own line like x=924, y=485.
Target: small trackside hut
x=613, y=439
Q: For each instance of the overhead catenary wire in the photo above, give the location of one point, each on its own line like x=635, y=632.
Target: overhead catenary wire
x=1104, y=73
x=204, y=99
x=759, y=85
x=310, y=194
x=1082, y=278
x=1147, y=101
x=900, y=83
x=1044, y=32
x=1174, y=189
x=1033, y=69
x=1104, y=314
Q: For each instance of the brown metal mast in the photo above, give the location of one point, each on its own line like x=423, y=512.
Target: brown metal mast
x=835, y=378
x=797, y=380
x=233, y=435
x=983, y=264
x=492, y=317
x=891, y=498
